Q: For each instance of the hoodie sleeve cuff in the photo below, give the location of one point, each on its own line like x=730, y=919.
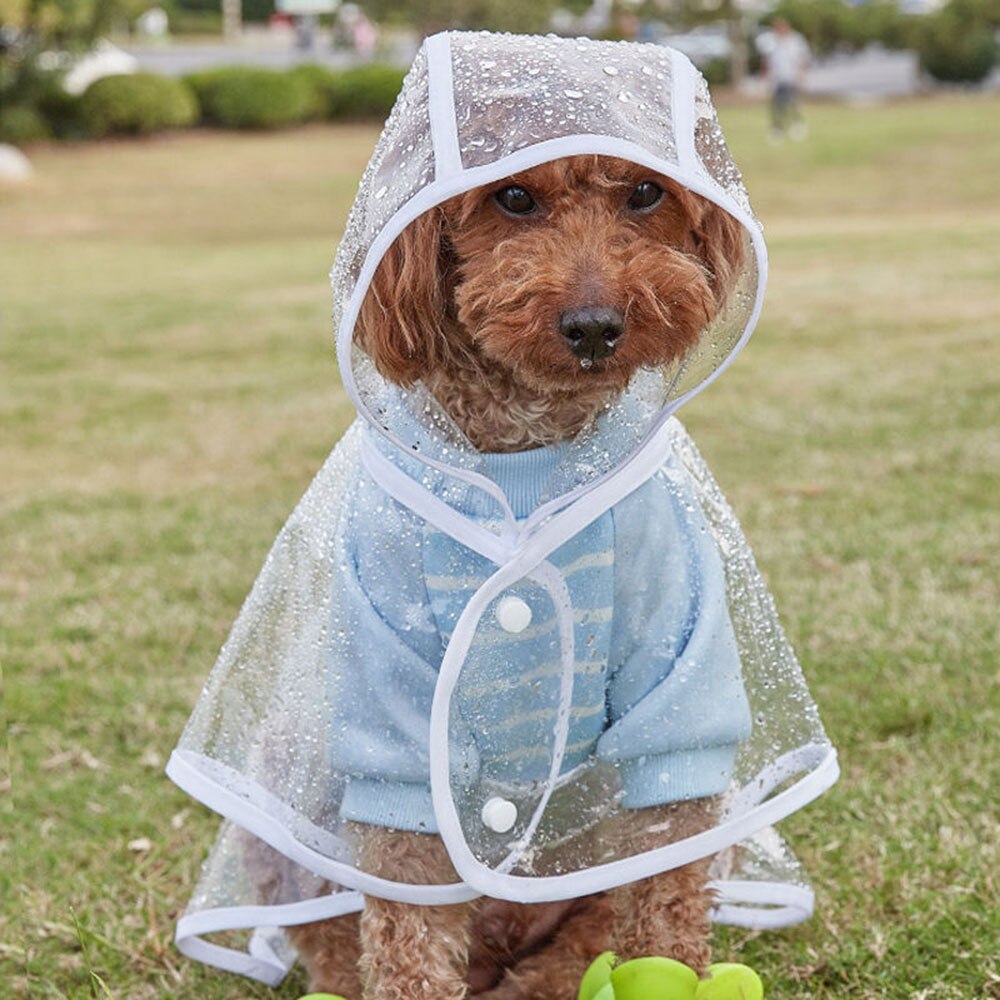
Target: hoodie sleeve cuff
x=397, y=805
x=654, y=779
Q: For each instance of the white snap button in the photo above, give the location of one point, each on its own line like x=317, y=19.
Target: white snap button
x=499, y=814
x=513, y=614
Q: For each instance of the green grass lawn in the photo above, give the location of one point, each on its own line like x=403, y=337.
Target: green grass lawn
x=169, y=389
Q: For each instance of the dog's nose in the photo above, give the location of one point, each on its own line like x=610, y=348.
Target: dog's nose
x=592, y=331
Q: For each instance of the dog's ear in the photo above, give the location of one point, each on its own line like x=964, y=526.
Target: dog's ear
x=399, y=325
x=717, y=240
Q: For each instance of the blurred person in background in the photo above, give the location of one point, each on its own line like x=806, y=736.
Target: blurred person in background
x=786, y=57
x=353, y=30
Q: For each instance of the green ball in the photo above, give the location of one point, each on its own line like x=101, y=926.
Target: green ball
x=729, y=981
x=597, y=977
x=654, y=978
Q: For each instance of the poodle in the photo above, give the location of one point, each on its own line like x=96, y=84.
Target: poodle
x=526, y=306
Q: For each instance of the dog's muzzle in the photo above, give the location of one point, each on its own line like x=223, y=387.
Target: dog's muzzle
x=592, y=331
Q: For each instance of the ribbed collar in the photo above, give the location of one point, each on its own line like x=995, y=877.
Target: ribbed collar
x=527, y=478
x=523, y=475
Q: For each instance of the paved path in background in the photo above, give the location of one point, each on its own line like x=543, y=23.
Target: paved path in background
x=872, y=75
x=175, y=60
x=257, y=47
x=868, y=75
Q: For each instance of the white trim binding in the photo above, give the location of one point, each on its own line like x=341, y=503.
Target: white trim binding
x=822, y=759
x=198, y=775
x=262, y=964
x=229, y=959
x=432, y=509
x=194, y=774
x=761, y=905
x=441, y=107
x=682, y=91
x=551, y=579
x=740, y=903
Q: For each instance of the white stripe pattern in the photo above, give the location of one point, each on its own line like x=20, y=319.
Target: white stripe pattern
x=585, y=668
x=544, y=714
x=540, y=751
x=590, y=560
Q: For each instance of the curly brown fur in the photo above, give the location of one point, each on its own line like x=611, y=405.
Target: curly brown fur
x=331, y=952
x=503, y=933
x=468, y=300
x=554, y=970
x=667, y=914
x=411, y=952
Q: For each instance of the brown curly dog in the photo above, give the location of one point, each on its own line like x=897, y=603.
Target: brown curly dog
x=525, y=306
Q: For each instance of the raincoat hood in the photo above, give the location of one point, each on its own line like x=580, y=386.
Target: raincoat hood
x=479, y=107
x=514, y=652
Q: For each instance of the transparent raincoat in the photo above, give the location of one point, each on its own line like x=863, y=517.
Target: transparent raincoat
x=427, y=651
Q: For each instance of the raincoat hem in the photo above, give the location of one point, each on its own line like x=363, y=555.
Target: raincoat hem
x=818, y=760
x=195, y=774
x=761, y=905
x=260, y=962
x=188, y=776
x=270, y=971
x=754, y=905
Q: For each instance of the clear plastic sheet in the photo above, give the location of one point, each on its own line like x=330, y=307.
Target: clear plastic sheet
x=527, y=686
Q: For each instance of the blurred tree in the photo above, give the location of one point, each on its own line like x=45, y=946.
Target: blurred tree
x=978, y=12
x=958, y=43
x=72, y=25
x=181, y=12
x=737, y=15
x=829, y=25
x=428, y=16
x=40, y=35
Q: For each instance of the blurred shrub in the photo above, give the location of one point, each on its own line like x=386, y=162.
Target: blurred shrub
x=717, y=71
x=136, y=104
x=365, y=92
x=188, y=13
x=230, y=97
x=247, y=97
x=954, y=50
x=61, y=110
x=982, y=12
x=194, y=22
x=880, y=22
x=428, y=16
x=829, y=25
x=243, y=97
x=322, y=83
x=20, y=125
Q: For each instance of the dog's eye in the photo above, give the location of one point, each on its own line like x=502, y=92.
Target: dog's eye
x=515, y=200
x=646, y=195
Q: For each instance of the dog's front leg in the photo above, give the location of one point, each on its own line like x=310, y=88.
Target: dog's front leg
x=411, y=952
x=554, y=969
x=666, y=914
x=329, y=949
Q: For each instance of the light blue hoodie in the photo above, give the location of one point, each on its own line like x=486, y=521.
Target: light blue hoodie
x=657, y=687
